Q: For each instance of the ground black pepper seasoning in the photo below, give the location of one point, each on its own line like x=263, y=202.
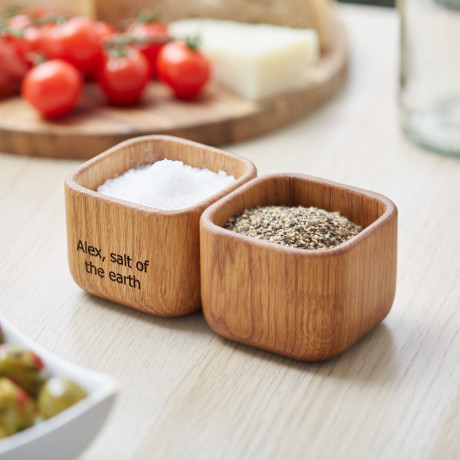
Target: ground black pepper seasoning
x=295, y=226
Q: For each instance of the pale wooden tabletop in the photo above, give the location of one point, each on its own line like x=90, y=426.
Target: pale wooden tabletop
x=185, y=393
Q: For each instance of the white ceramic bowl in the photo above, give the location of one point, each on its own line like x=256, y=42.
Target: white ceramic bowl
x=67, y=434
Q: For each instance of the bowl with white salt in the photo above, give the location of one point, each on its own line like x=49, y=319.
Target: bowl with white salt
x=306, y=267
x=133, y=220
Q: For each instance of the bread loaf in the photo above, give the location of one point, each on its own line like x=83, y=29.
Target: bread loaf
x=313, y=14
x=70, y=7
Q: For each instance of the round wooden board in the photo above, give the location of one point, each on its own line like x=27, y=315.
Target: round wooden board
x=218, y=117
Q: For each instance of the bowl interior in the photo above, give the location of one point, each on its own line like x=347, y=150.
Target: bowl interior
x=91, y=381
x=149, y=149
x=101, y=391
x=359, y=206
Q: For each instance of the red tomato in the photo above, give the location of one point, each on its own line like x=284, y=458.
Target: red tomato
x=25, y=37
x=28, y=43
x=123, y=78
x=154, y=31
x=19, y=21
x=53, y=87
x=74, y=41
x=25, y=13
x=8, y=87
x=12, y=69
x=104, y=30
x=183, y=68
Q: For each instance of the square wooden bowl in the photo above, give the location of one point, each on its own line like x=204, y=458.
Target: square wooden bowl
x=139, y=256
x=308, y=305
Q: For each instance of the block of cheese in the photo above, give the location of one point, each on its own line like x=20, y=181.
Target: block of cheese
x=255, y=60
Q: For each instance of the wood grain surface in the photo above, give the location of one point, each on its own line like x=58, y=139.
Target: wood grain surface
x=145, y=258
x=308, y=305
x=217, y=117
x=186, y=393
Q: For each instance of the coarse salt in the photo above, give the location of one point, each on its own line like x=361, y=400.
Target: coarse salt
x=166, y=184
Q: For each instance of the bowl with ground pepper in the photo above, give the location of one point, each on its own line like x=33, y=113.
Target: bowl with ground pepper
x=300, y=266
x=133, y=220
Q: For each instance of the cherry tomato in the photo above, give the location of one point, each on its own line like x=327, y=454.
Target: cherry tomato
x=27, y=12
x=24, y=17
x=23, y=35
x=74, y=41
x=53, y=87
x=153, y=31
x=12, y=69
x=124, y=76
x=183, y=68
x=104, y=30
x=19, y=21
x=27, y=43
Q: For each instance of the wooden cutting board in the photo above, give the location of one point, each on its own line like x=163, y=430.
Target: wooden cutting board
x=218, y=117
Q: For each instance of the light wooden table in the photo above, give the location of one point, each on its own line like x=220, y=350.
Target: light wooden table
x=185, y=393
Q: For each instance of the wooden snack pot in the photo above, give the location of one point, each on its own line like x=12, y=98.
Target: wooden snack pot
x=135, y=255
x=308, y=305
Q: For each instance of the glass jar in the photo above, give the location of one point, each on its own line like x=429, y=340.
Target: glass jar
x=429, y=98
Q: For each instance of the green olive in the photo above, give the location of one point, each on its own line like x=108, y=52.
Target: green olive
x=58, y=394
x=21, y=365
x=17, y=408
